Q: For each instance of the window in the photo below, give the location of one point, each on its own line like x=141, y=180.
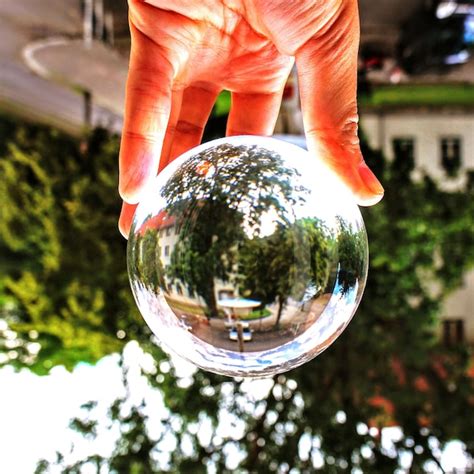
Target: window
x=168, y=231
x=404, y=146
x=453, y=331
x=167, y=250
x=451, y=155
x=470, y=181
x=404, y=153
x=225, y=294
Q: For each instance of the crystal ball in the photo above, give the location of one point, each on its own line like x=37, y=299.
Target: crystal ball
x=247, y=257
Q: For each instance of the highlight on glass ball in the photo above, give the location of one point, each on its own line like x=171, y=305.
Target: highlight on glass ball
x=247, y=257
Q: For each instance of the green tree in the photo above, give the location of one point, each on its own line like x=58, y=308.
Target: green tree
x=217, y=198
x=63, y=283
x=149, y=266
x=286, y=263
x=352, y=254
x=388, y=368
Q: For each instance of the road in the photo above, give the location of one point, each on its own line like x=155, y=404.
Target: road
x=265, y=334
x=26, y=94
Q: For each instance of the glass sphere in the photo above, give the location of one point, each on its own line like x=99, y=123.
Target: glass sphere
x=247, y=256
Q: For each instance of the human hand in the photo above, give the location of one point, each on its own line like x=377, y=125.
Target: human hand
x=184, y=52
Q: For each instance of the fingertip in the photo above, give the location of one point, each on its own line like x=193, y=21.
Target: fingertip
x=366, y=200
x=128, y=193
x=125, y=219
x=372, y=190
x=132, y=184
x=138, y=164
x=123, y=232
x=351, y=170
x=370, y=180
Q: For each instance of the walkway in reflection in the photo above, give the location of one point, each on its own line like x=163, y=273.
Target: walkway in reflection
x=265, y=333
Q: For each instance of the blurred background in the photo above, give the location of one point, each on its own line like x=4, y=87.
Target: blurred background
x=83, y=386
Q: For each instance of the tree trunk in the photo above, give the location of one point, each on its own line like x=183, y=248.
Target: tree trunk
x=212, y=302
x=281, y=305
x=210, y=299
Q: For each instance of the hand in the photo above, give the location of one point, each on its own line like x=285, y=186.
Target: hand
x=184, y=52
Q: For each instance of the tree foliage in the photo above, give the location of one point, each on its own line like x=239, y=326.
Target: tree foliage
x=387, y=369
x=215, y=196
x=63, y=283
x=64, y=278
x=286, y=263
x=352, y=255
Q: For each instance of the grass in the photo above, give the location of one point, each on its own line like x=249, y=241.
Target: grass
x=258, y=314
x=420, y=94
x=222, y=105
x=401, y=95
x=185, y=307
x=189, y=308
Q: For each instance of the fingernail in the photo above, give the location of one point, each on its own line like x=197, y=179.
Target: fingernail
x=129, y=187
x=125, y=219
x=122, y=231
x=370, y=180
x=123, y=228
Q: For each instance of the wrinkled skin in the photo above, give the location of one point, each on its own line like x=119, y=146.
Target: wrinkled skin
x=184, y=52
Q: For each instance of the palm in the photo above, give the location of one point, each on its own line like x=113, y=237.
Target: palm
x=184, y=52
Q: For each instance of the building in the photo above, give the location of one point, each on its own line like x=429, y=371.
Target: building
x=440, y=140
x=167, y=238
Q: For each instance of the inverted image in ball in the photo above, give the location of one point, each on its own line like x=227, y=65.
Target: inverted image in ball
x=247, y=257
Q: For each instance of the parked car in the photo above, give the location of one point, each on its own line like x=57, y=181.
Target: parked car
x=430, y=44
x=372, y=57
x=446, y=8
x=246, y=334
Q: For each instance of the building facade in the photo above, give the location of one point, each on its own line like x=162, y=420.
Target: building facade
x=440, y=140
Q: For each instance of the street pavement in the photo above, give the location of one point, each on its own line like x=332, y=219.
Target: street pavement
x=66, y=67
x=99, y=69
x=24, y=93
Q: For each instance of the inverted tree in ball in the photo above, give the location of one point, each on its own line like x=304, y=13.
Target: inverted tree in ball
x=247, y=257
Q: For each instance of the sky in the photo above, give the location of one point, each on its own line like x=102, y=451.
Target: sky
x=35, y=412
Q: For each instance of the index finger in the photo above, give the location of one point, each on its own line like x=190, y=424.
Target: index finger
x=327, y=76
x=147, y=111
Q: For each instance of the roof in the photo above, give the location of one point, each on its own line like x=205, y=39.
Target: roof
x=158, y=222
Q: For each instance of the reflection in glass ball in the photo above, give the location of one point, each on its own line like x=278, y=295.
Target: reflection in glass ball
x=247, y=257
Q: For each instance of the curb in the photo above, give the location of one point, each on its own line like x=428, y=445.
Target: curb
x=29, y=51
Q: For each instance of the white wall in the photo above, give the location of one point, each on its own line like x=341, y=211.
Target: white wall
x=427, y=129
x=460, y=305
